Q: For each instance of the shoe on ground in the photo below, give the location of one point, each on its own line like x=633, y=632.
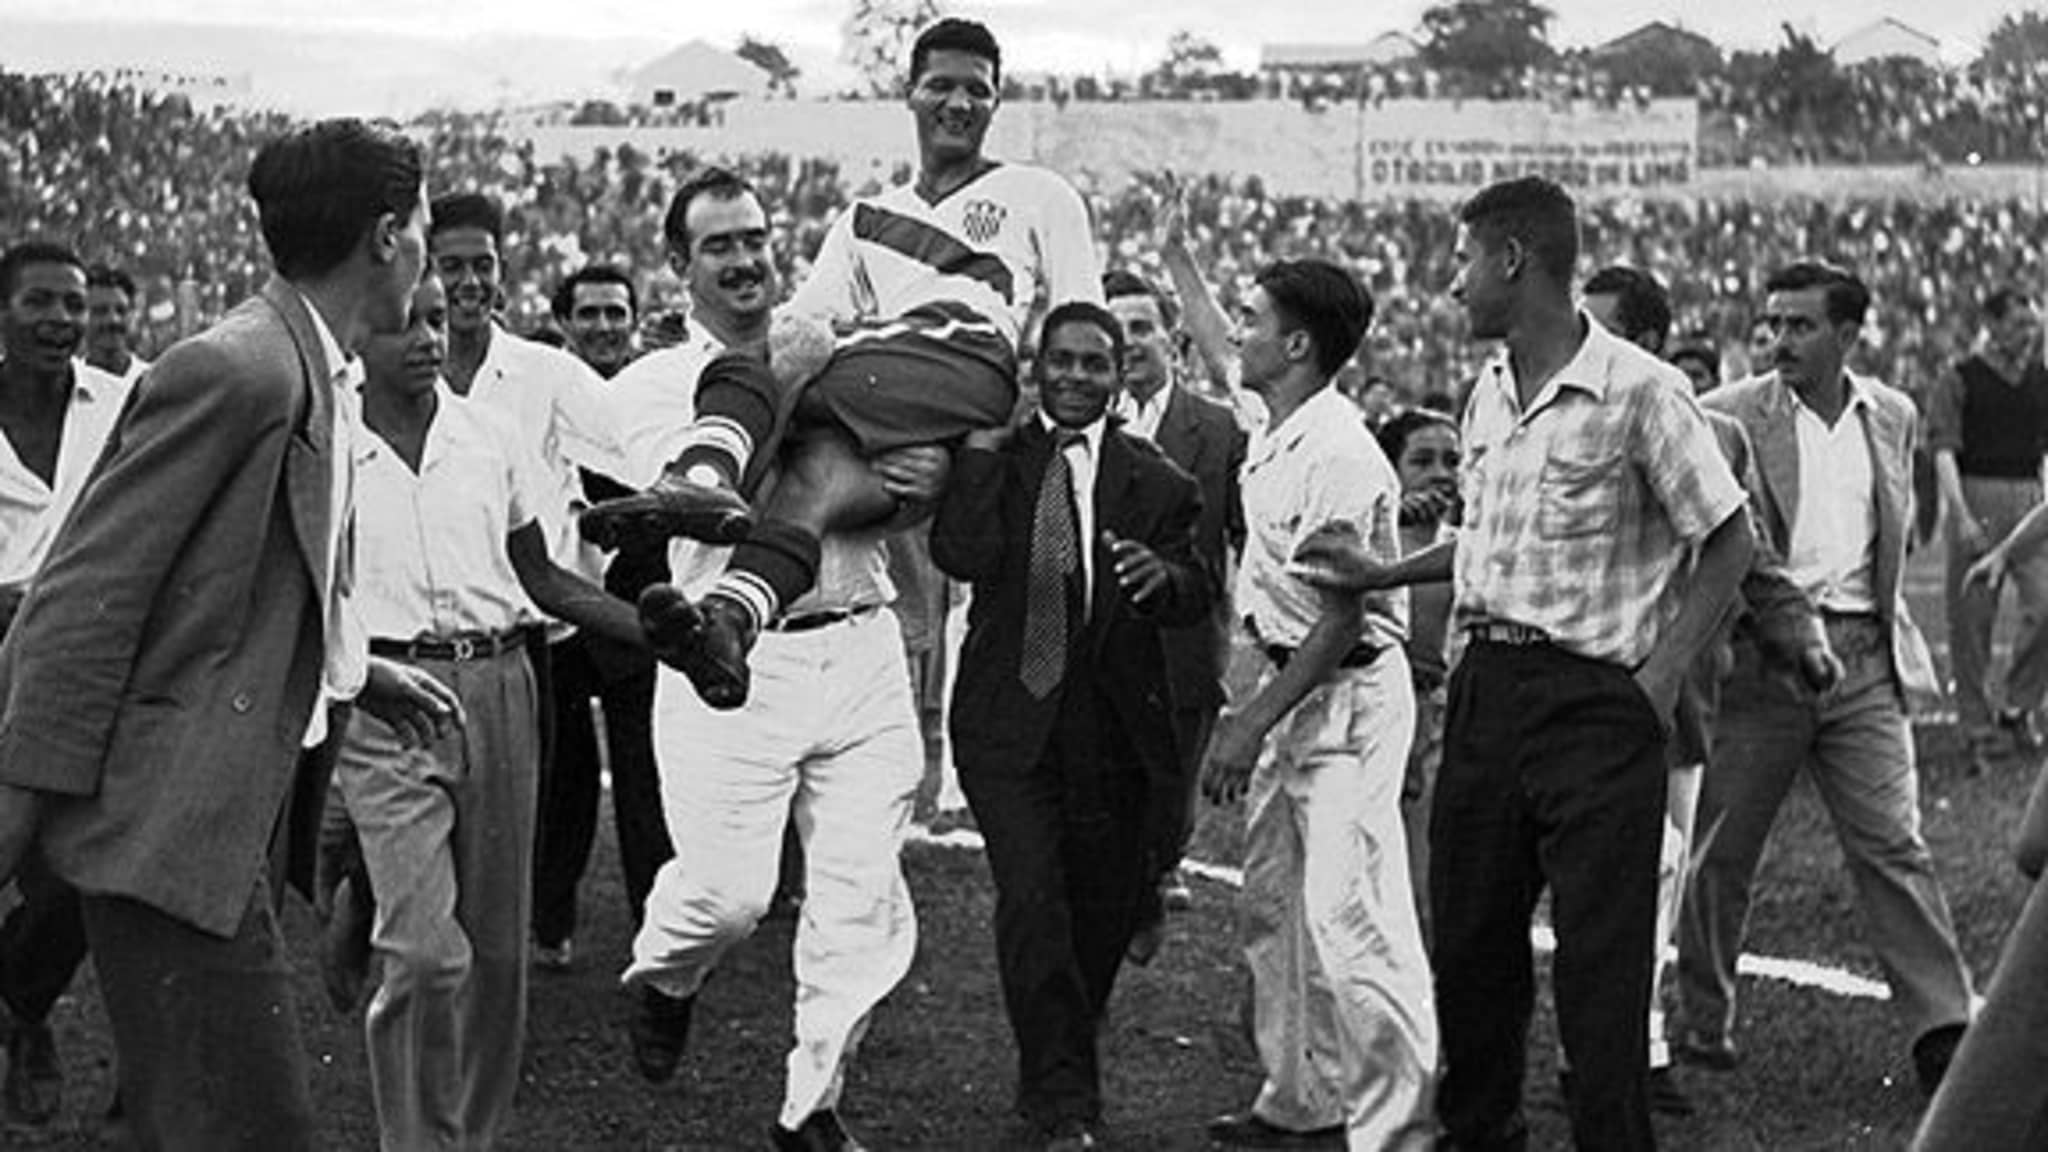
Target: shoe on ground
x=1174, y=893
x=1250, y=1130
x=1667, y=1096
x=555, y=957
x=1715, y=1054
x=821, y=1131
x=659, y=1032
x=1072, y=1136
x=1932, y=1054
x=33, y=1091
x=706, y=642
x=345, y=945
x=673, y=507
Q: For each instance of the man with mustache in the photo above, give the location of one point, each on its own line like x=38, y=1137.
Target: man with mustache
x=559, y=406
x=110, y=323
x=932, y=283
x=55, y=414
x=1834, y=449
x=828, y=742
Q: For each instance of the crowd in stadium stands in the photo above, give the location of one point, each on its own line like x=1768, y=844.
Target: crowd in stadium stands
x=152, y=185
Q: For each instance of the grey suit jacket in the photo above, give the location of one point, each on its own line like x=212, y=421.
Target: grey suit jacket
x=1764, y=406
x=158, y=681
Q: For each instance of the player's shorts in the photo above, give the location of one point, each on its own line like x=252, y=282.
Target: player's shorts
x=927, y=378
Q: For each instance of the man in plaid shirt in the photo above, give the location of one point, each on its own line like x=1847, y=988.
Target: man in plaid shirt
x=1601, y=547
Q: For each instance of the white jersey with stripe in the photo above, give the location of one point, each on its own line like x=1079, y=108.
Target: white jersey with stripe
x=964, y=269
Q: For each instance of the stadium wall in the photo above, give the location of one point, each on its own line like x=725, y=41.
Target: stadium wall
x=1292, y=150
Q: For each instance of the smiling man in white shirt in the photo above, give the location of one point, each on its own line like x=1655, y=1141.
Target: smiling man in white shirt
x=55, y=413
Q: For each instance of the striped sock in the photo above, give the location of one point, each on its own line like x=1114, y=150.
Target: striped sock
x=737, y=397
x=777, y=563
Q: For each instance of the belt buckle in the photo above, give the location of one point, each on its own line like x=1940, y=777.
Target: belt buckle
x=465, y=649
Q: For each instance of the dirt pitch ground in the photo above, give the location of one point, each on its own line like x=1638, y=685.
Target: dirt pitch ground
x=1821, y=1071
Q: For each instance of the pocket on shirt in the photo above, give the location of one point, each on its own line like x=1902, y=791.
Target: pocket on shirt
x=1577, y=497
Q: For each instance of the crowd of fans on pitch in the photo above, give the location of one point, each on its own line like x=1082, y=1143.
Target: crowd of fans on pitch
x=147, y=183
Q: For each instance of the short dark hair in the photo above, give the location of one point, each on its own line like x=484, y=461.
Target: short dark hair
x=1846, y=297
x=1696, y=346
x=1325, y=300
x=1394, y=434
x=2000, y=303
x=319, y=189
x=107, y=276
x=956, y=35
x=564, y=300
x=32, y=252
x=468, y=210
x=1640, y=302
x=715, y=182
x=1119, y=282
x=1083, y=312
x=1535, y=212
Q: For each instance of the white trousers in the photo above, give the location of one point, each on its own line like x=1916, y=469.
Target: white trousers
x=1343, y=1015
x=1681, y=801
x=830, y=736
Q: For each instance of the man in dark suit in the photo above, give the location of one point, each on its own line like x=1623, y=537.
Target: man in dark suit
x=1079, y=541
x=1204, y=439
x=168, y=661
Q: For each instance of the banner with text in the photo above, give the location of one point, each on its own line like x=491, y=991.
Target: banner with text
x=1442, y=148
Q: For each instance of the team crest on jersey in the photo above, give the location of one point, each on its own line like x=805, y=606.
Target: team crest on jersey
x=982, y=220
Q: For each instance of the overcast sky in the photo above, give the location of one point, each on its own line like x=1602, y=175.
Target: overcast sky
x=1038, y=34
x=395, y=57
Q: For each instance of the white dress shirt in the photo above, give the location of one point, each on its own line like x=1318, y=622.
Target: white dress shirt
x=1083, y=462
x=348, y=647
x=655, y=400
x=564, y=412
x=1141, y=417
x=31, y=511
x=1834, y=529
x=432, y=559
x=1318, y=467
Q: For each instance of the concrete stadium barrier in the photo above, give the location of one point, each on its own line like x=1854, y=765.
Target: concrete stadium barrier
x=1291, y=149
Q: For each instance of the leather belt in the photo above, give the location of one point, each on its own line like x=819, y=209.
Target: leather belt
x=1502, y=632
x=1359, y=657
x=460, y=648
x=812, y=621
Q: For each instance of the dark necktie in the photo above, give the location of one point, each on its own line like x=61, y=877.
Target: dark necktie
x=1055, y=556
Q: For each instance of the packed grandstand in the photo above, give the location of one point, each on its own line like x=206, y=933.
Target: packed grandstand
x=152, y=184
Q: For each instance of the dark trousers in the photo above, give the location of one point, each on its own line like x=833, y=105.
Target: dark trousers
x=205, y=1027
x=567, y=824
x=1553, y=776
x=42, y=943
x=1066, y=849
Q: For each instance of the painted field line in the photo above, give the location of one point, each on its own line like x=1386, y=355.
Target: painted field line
x=1800, y=973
